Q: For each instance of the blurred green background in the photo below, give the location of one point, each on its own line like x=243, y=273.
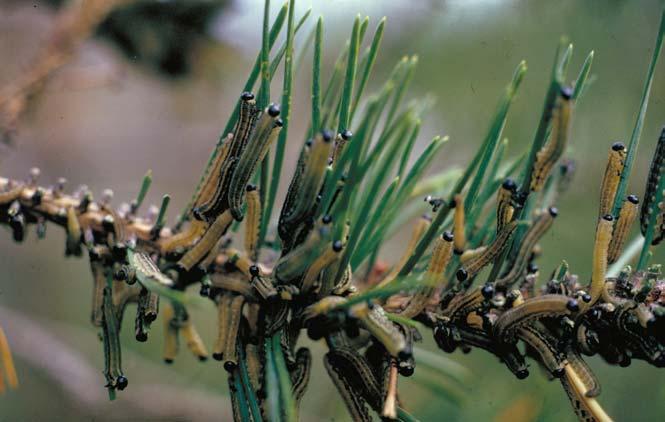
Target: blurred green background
x=108, y=131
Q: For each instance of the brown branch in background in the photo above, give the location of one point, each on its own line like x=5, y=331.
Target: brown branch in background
x=74, y=24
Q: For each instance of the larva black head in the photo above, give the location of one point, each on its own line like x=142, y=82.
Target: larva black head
x=121, y=383
x=273, y=110
x=141, y=336
x=572, y=305
x=250, y=187
x=522, y=374
x=532, y=268
x=487, y=291
x=327, y=135
x=558, y=372
x=230, y=366
x=566, y=92
x=279, y=122
x=618, y=146
x=205, y=290
x=168, y=361
x=404, y=355
x=327, y=219
x=509, y=184
x=218, y=356
x=247, y=96
x=553, y=211
x=337, y=245
x=346, y=134
x=586, y=298
x=461, y=274
x=633, y=199
x=447, y=236
x=406, y=369
x=37, y=197
x=254, y=270
x=308, y=143
x=107, y=222
x=608, y=217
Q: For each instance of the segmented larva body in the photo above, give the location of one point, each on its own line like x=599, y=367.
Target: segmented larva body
x=146, y=268
x=600, y=247
x=73, y=241
x=170, y=334
x=441, y=255
x=550, y=153
x=538, y=228
x=587, y=377
x=193, y=340
x=459, y=231
x=209, y=185
x=504, y=203
x=545, y=346
x=474, y=265
x=586, y=408
x=309, y=184
x=535, y=308
x=185, y=238
x=655, y=173
x=223, y=309
x=292, y=265
x=218, y=202
x=253, y=222
x=112, y=352
x=321, y=263
x=340, y=142
x=99, y=283
x=234, y=317
x=207, y=241
x=352, y=398
x=378, y=324
x=301, y=374
x=613, y=170
x=266, y=132
x=286, y=230
x=621, y=230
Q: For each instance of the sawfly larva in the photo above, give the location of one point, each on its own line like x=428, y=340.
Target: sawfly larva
x=540, y=225
x=207, y=241
x=584, y=372
x=321, y=263
x=586, y=408
x=601, y=244
x=340, y=142
x=185, y=238
x=473, y=266
x=544, y=344
x=549, y=305
x=554, y=147
x=146, y=270
x=655, y=173
x=301, y=374
x=459, y=234
x=621, y=230
x=11, y=193
x=286, y=230
x=265, y=133
x=211, y=178
x=223, y=309
x=378, y=324
x=73, y=241
x=441, y=254
x=504, y=203
x=234, y=316
x=295, y=263
x=418, y=231
x=112, y=352
x=608, y=188
x=253, y=222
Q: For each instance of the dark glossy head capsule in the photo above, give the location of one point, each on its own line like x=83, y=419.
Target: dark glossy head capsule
x=230, y=366
x=218, y=356
x=447, y=236
x=36, y=198
x=553, y=211
x=572, y=305
x=509, y=184
x=168, y=361
x=337, y=245
x=205, y=290
x=327, y=135
x=308, y=143
x=107, y=222
x=346, y=134
x=254, y=270
x=487, y=291
x=119, y=252
x=121, y=383
x=618, y=146
x=279, y=122
x=522, y=374
x=141, y=336
x=608, y=217
x=406, y=369
x=566, y=92
x=558, y=373
x=327, y=219
x=246, y=96
x=251, y=187
x=532, y=268
x=633, y=199
x=586, y=298
x=273, y=110
x=461, y=274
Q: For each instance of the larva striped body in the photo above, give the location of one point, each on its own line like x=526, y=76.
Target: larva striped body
x=340, y=142
x=301, y=374
x=548, y=305
x=608, y=188
x=99, y=283
x=621, y=230
x=587, y=377
x=311, y=180
x=193, y=339
x=254, y=365
x=207, y=241
x=353, y=400
x=73, y=241
x=418, y=231
x=538, y=228
x=292, y=265
x=459, y=234
x=185, y=238
x=587, y=409
x=504, y=203
x=286, y=230
x=209, y=186
x=253, y=222
x=378, y=324
x=463, y=304
x=170, y=333
x=265, y=133
x=655, y=173
x=600, y=247
x=234, y=316
x=223, y=309
x=113, y=359
x=441, y=255
x=322, y=262
x=471, y=254
x=473, y=266
x=550, y=153
x=219, y=200
x=544, y=345
x=147, y=270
